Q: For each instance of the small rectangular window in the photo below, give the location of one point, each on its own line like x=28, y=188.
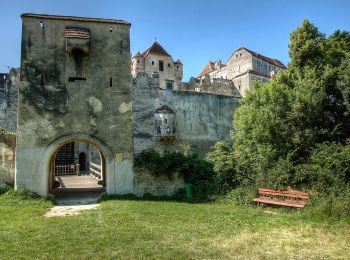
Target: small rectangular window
x=152, y=62
x=110, y=81
x=166, y=121
x=161, y=65
x=169, y=86
x=168, y=65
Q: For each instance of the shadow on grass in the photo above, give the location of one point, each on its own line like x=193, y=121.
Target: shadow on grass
x=178, y=197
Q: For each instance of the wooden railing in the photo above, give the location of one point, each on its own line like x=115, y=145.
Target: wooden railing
x=65, y=169
x=95, y=170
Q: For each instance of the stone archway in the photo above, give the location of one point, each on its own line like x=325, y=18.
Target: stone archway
x=55, y=147
x=68, y=178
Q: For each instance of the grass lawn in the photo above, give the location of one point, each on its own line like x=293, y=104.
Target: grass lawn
x=136, y=229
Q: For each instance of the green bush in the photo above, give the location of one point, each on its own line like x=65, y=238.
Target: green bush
x=196, y=171
x=159, y=163
x=242, y=195
x=223, y=165
x=330, y=205
x=327, y=170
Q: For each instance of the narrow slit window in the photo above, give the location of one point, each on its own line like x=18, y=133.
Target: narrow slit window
x=110, y=81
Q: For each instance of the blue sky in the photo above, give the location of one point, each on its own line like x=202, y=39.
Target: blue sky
x=193, y=31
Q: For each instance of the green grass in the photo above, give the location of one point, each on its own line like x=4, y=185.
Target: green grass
x=138, y=229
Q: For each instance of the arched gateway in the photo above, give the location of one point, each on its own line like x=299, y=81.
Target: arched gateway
x=75, y=87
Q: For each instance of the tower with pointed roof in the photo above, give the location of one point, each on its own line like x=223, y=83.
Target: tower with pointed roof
x=157, y=62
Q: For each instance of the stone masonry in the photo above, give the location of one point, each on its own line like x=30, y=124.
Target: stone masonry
x=75, y=86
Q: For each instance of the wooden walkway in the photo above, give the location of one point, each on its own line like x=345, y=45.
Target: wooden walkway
x=75, y=181
x=77, y=190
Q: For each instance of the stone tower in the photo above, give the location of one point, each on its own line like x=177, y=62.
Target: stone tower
x=137, y=64
x=75, y=86
x=157, y=62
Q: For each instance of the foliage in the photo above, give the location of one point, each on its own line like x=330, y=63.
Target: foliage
x=159, y=163
x=327, y=170
x=223, y=165
x=196, y=171
x=293, y=131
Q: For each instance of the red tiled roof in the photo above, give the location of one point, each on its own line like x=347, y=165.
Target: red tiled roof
x=75, y=18
x=262, y=57
x=156, y=48
x=77, y=32
x=208, y=68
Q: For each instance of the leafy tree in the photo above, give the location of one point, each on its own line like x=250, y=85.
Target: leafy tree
x=306, y=47
x=278, y=124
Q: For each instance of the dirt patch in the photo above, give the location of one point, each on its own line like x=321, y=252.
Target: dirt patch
x=69, y=210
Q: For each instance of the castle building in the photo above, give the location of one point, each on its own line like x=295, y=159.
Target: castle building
x=156, y=61
x=242, y=68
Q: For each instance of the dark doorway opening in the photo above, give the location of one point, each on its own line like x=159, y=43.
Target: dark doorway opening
x=82, y=162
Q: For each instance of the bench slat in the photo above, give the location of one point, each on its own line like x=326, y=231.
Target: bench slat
x=290, y=192
x=299, y=195
x=296, y=199
x=279, y=202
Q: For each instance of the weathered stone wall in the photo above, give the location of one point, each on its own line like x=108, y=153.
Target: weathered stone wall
x=218, y=86
x=243, y=83
x=82, y=94
x=239, y=62
x=163, y=185
x=201, y=119
x=7, y=157
x=9, y=101
x=264, y=67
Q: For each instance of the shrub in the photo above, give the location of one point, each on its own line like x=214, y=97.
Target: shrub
x=221, y=158
x=159, y=163
x=196, y=171
x=327, y=170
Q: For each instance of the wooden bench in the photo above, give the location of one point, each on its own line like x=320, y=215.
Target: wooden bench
x=295, y=199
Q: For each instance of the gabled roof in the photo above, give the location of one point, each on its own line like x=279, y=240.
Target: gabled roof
x=178, y=62
x=156, y=48
x=138, y=54
x=164, y=109
x=207, y=68
x=262, y=57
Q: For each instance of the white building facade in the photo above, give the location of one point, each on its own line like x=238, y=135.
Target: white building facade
x=243, y=68
x=155, y=60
